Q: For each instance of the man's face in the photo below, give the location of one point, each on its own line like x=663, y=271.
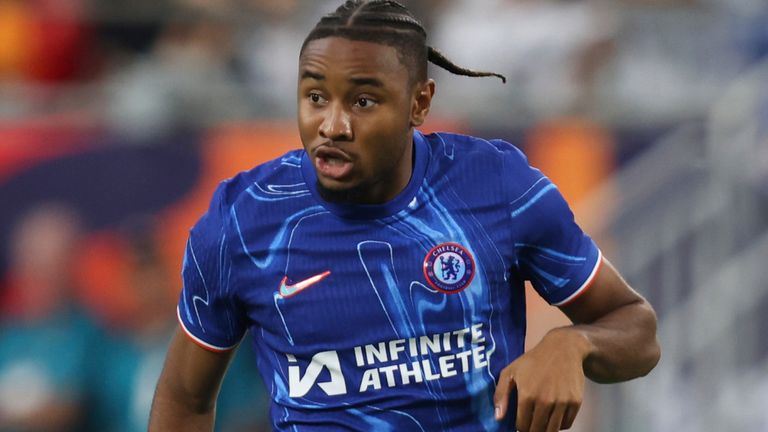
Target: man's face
x=356, y=108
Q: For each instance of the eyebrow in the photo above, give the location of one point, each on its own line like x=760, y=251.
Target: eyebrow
x=312, y=75
x=373, y=82
x=362, y=81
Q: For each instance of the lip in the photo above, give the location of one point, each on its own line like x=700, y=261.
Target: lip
x=332, y=162
x=326, y=151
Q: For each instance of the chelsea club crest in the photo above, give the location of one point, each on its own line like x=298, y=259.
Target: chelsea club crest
x=449, y=268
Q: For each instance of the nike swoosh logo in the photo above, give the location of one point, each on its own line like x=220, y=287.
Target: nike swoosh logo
x=291, y=290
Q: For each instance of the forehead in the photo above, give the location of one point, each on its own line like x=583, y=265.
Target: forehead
x=340, y=57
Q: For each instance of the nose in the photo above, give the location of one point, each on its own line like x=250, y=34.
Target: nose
x=337, y=125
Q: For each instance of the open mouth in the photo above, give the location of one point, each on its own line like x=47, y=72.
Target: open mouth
x=332, y=163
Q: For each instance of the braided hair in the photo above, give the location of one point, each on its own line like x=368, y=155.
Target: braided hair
x=390, y=23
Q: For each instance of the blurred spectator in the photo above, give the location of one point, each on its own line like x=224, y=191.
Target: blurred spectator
x=675, y=56
x=44, y=41
x=549, y=49
x=125, y=28
x=16, y=32
x=185, y=81
x=428, y=11
x=131, y=358
x=44, y=338
x=748, y=21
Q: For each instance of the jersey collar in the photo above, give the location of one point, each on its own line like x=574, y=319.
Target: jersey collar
x=374, y=211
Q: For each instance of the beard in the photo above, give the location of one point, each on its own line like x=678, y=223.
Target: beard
x=353, y=195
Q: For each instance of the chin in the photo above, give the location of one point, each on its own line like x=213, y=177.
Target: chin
x=325, y=184
x=339, y=192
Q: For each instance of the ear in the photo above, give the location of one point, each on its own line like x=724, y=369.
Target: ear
x=421, y=101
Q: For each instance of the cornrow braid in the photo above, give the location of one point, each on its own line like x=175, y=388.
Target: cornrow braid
x=437, y=58
x=391, y=23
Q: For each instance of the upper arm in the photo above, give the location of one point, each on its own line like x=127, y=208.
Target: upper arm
x=192, y=375
x=607, y=292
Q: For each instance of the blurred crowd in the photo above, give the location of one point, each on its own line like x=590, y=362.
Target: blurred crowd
x=65, y=366
x=143, y=66
x=81, y=349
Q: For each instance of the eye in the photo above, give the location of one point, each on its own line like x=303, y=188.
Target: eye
x=365, y=102
x=316, y=98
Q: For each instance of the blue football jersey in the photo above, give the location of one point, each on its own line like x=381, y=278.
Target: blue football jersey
x=397, y=316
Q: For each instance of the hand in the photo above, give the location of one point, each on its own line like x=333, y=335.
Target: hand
x=549, y=381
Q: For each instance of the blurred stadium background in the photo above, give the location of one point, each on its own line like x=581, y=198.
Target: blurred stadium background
x=119, y=117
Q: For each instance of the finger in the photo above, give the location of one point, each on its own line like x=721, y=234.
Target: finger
x=524, y=413
x=501, y=396
x=570, y=415
x=556, y=418
x=541, y=413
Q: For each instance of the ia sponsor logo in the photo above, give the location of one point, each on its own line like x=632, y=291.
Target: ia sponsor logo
x=299, y=386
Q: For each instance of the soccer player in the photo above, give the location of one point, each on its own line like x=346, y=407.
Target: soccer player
x=380, y=272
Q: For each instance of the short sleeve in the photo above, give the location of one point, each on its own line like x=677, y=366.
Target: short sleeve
x=552, y=251
x=208, y=309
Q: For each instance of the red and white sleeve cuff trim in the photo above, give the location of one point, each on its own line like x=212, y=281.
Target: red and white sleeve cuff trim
x=203, y=344
x=587, y=283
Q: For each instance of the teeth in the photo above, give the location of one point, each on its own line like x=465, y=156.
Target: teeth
x=334, y=161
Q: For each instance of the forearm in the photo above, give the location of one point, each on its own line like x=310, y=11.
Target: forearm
x=619, y=346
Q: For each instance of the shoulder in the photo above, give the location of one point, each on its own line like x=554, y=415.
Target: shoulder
x=284, y=170
x=458, y=147
x=494, y=158
x=266, y=179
